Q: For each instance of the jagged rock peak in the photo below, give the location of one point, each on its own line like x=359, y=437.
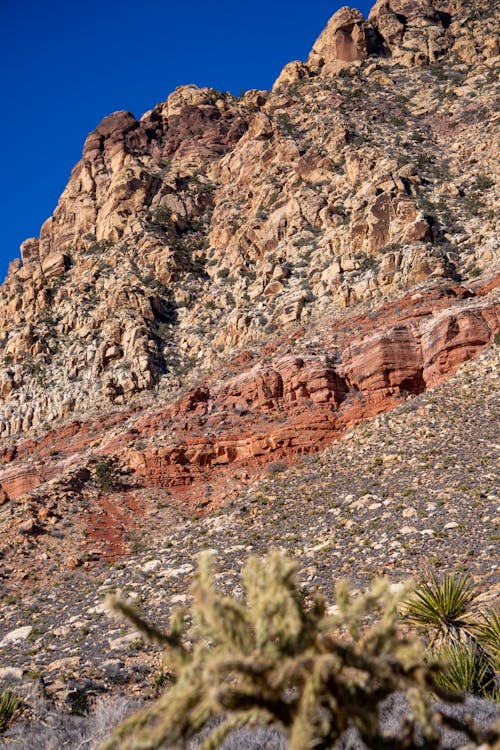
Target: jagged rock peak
x=346, y=38
x=415, y=32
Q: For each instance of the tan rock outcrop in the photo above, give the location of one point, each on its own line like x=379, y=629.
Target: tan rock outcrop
x=345, y=39
x=412, y=30
x=292, y=73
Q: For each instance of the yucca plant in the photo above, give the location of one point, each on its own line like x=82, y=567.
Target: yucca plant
x=11, y=708
x=466, y=644
x=464, y=668
x=487, y=630
x=273, y=659
x=443, y=607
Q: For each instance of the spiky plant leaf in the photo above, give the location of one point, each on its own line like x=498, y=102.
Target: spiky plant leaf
x=487, y=630
x=11, y=708
x=468, y=643
x=464, y=668
x=444, y=605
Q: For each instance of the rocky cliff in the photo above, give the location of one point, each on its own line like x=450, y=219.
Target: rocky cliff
x=230, y=280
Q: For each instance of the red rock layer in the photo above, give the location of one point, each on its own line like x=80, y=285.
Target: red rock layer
x=281, y=407
x=296, y=404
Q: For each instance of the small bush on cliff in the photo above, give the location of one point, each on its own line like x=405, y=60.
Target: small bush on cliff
x=272, y=659
x=105, y=475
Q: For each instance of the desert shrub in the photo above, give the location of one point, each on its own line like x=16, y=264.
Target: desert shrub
x=285, y=123
x=98, y=248
x=464, y=668
x=11, y=708
x=465, y=643
x=473, y=270
x=161, y=215
x=366, y=262
x=104, y=474
x=274, y=659
x=52, y=728
x=483, y=182
x=276, y=467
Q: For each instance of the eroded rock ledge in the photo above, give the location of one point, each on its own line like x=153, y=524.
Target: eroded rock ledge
x=281, y=407
x=294, y=404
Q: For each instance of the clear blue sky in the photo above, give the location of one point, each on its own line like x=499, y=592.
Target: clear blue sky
x=66, y=64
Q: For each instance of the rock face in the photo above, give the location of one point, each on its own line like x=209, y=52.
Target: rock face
x=232, y=280
x=294, y=403
x=411, y=30
x=211, y=222
x=347, y=38
x=280, y=408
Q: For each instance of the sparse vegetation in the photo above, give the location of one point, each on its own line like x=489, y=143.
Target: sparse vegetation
x=483, y=182
x=366, y=262
x=161, y=215
x=285, y=123
x=51, y=728
x=11, y=708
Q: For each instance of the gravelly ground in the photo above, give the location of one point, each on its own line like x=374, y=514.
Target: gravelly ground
x=412, y=487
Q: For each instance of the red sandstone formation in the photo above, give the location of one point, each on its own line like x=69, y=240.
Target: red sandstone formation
x=280, y=408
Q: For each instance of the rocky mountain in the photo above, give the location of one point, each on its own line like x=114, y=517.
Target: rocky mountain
x=256, y=322
x=232, y=281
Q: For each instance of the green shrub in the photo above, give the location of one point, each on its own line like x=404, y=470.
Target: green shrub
x=442, y=604
x=273, y=658
x=483, y=182
x=285, y=123
x=11, y=708
x=105, y=475
x=464, y=643
x=161, y=215
x=366, y=262
x=464, y=668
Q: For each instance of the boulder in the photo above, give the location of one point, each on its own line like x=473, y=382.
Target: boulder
x=346, y=38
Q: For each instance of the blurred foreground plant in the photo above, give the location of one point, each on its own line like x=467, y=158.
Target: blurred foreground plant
x=272, y=659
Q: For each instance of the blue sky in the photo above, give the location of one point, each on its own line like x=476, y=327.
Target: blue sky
x=65, y=65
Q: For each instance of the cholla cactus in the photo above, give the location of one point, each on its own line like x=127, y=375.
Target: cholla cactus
x=272, y=659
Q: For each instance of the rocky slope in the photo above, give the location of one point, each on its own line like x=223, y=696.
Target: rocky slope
x=414, y=487
x=229, y=282
x=232, y=281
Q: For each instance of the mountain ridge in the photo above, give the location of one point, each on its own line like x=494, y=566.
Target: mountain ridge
x=258, y=322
